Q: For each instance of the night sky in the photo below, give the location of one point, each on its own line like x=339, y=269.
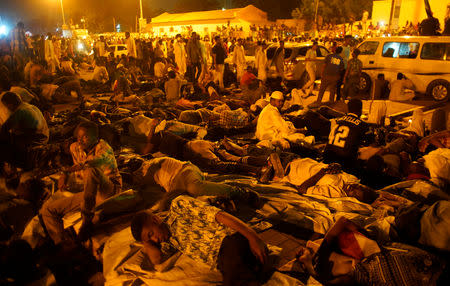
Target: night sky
x=47, y=13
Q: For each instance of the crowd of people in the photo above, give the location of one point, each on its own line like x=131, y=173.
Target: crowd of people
x=173, y=141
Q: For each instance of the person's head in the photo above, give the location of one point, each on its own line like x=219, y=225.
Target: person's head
x=249, y=69
x=360, y=192
x=277, y=99
x=20, y=25
x=11, y=101
x=400, y=76
x=347, y=40
x=314, y=45
x=355, y=106
x=147, y=227
x=240, y=42
x=86, y=134
x=338, y=50
x=375, y=164
x=172, y=74
x=194, y=35
x=102, y=38
x=127, y=35
x=281, y=44
x=380, y=76
x=178, y=38
x=356, y=53
x=217, y=39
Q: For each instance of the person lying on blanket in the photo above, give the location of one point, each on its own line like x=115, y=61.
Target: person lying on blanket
x=181, y=177
x=346, y=256
x=207, y=235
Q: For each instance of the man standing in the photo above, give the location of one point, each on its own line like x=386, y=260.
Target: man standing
x=261, y=62
x=218, y=55
x=194, y=57
x=352, y=75
x=50, y=55
x=239, y=59
x=311, y=58
x=131, y=45
x=180, y=54
x=95, y=168
x=345, y=55
x=278, y=59
x=19, y=46
x=331, y=72
x=100, y=47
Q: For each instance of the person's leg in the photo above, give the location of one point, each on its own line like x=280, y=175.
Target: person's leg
x=97, y=188
x=332, y=86
x=323, y=87
x=220, y=71
x=312, y=78
x=53, y=211
x=438, y=120
x=238, y=265
x=338, y=86
x=199, y=68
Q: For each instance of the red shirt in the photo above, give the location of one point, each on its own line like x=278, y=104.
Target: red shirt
x=247, y=78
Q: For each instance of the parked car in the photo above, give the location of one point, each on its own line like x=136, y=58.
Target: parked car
x=294, y=61
x=424, y=60
x=118, y=49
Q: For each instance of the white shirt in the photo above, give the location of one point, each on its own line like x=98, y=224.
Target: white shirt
x=131, y=46
x=330, y=185
x=272, y=126
x=239, y=55
x=165, y=174
x=398, y=90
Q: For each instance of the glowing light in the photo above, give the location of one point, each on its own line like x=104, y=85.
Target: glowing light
x=223, y=9
x=382, y=23
x=80, y=46
x=3, y=30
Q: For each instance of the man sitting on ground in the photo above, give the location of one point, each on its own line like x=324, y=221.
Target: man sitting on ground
x=207, y=235
x=273, y=128
x=346, y=135
x=402, y=89
x=25, y=128
x=96, y=168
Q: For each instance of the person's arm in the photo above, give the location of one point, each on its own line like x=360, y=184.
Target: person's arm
x=257, y=246
x=149, y=146
x=153, y=252
x=330, y=169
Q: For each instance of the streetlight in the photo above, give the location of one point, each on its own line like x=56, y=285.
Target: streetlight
x=62, y=11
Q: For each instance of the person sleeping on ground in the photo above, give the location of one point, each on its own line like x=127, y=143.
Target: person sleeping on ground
x=207, y=235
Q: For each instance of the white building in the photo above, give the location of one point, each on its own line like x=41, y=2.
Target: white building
x=397, y=12
x=206, y=22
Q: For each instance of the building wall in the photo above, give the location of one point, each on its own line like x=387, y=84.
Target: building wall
x=203, y=29
x=411, y=10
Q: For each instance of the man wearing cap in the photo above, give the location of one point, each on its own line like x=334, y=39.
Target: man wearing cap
x=272, y=128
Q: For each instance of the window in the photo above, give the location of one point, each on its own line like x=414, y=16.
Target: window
x=121, y=48
x=400, y=50
x=433, y=51
x=368, y=48
x=302, y=51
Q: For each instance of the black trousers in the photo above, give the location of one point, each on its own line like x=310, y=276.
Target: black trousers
x=238, y=265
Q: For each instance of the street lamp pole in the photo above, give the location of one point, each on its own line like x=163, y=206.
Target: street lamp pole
x=62, y=11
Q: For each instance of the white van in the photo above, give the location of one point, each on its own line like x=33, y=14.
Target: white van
x=424, y=60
